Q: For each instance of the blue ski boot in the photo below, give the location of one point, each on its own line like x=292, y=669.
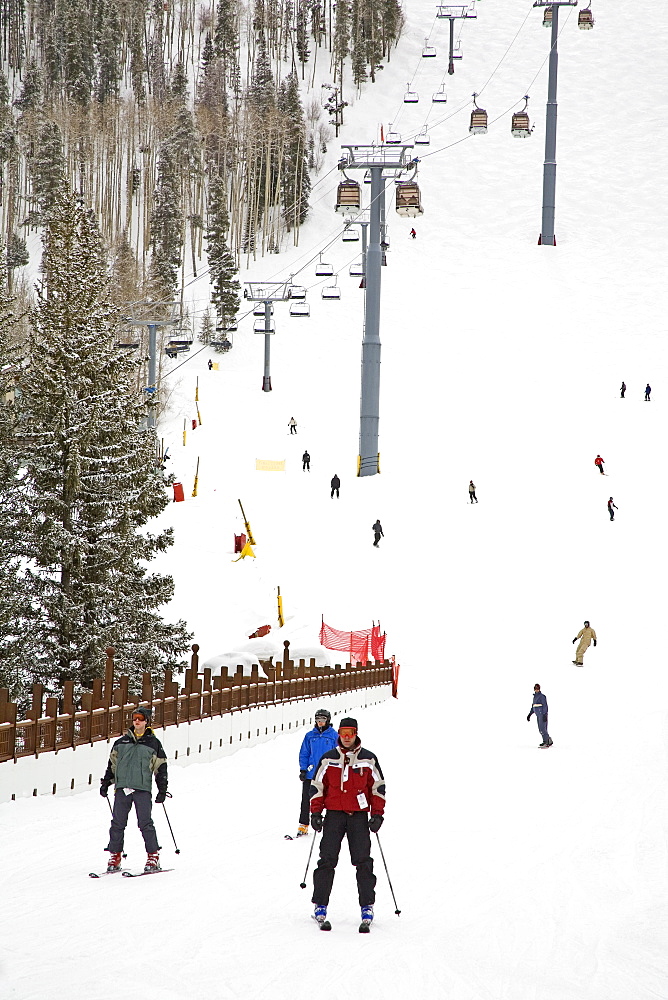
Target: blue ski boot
x=367, y=917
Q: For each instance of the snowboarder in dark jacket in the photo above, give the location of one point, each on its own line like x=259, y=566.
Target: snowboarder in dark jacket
x=623, y=389
x=317, y=741
x=648, y=389
x=377, y=533
x=135, y=760
x=306, y=461
x=539, y=709
x=349, y=784
x=612, y=507
x=335, y=483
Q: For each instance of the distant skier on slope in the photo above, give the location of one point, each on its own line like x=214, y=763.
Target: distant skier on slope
x=306, y=462
x=586, y=635
x=612, y=507
x=349, y=784
x=648, y=390
x=335, y=484
x=472, y=497
x=539, y=709
x=413, y=234
x=377, y=532
x=317, y=741
x=292, y=424
x=623, y=389
x=134, y=760
x=598, y=462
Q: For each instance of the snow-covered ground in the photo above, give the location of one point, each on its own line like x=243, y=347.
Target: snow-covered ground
x=520, y=876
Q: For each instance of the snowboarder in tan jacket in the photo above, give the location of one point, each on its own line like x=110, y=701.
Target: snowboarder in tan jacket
x=585, y=635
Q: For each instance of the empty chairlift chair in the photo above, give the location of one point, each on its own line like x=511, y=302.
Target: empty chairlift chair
x=348, y=198
x=410, y=97
x=259, y=326
x=440, y=97
x=408, y=203
x=356, y=270
x=331, y=291
x=300, y=309
x=422, y=138
x=428, y=52
x=521, y=126
x=478, y=124
x=323, y=270
x=350, y=236
x=585, y=19
x=457, y=50
x=259, y=309
x=296, y=292
x=392, y=138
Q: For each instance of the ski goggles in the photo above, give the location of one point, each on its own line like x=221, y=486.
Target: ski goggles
x=347, y=731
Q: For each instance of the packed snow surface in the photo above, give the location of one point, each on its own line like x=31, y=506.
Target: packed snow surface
x=519, y=875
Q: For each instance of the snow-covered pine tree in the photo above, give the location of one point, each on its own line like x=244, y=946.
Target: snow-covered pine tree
x=109, y=42
x=225, y=288
x=47, y=169
x=392, y=23
x=226, y=36
x=15, y=610
x=207, y=328
x=166, y=226
x=89, y=480
x=301, y=34
x=295, y=181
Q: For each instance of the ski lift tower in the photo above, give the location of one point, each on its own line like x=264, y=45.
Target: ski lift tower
x=381, y=162
x=547, y=237
x=455, y=14
x=151, y=390
x=267, y=292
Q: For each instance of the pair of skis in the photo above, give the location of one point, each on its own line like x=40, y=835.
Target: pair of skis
x=128, y=873
x=325, y=925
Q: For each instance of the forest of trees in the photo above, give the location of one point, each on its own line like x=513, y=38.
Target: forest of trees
x=142, y=143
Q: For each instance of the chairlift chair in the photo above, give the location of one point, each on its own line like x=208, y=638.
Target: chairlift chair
x=408, y=203
x=410, y=97
x=478, y=119
x=127, y=345
x=392, y=138
x=259, y=309
x=367, y=176
x=323, y=270
x=547, y=17
x=356, y=270
x=429, y=51
x=422, y=138
x=173, y=349
x=258, y=326
x=348, y=197
x=331, y=291
x=457, y=50
x=440, y=97
x=182, y=345
x=221, y=345
x=520, y=126
x=350, y=236
x=300, y=309
x=296, y=292
x=585, y=19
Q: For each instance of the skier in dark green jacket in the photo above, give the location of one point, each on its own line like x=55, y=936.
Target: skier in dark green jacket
x=134, y=760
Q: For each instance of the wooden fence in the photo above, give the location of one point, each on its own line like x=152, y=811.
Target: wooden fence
x=106, y=711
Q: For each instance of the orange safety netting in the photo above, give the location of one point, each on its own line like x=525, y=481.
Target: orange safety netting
x=368, y=644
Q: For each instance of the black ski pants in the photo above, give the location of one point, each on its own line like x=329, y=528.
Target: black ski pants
x=335, y=489
x=305, y=809
x=376, y=538
x=119, y=819
x=356, y=827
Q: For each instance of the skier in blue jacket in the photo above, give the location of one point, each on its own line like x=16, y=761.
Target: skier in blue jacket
x=318, y=741
x=539, y=709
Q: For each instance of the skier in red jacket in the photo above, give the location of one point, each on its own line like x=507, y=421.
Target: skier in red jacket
x=349, y=784
x=598, y=461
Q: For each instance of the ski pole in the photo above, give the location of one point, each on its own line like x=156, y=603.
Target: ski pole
x=176, y=850
x=112, y=813
x=396, y=910
x=302, y=885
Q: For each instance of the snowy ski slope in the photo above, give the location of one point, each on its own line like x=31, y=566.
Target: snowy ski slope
x=520, y=876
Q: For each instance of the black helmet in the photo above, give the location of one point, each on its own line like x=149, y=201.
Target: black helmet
x=322, y=713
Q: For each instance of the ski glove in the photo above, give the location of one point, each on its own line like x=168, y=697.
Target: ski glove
x=302, y=775
x=161, y=796
x=375, y=823
x=104, y=787
x=316, y=822
x=529, y=717
x=594, y=641
x=575, y=639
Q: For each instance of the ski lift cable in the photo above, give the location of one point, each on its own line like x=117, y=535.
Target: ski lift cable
x=494, y=71
x=415, y=71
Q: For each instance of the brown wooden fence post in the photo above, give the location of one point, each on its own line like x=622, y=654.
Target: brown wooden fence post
x=10, y=717
x=286, y=652
x=146, y=688
x=68, y=698
x=37, y=697
x=4, y=700
x=194, y=659
x=109, y=676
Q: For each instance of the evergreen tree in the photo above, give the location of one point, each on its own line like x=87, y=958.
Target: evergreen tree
x=17, y=252
x=207, y=328
x=89, y=479
x=47, y=168
x=222, y=265
x=166, y=225
x=392, y=21
x=341, y=47
x=31, y=92
x=295, y=181
x=358, y=45
x=301, y=34
x=226, y=36
x=108, y=47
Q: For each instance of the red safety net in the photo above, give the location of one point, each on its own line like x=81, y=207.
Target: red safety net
x=368, y=644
